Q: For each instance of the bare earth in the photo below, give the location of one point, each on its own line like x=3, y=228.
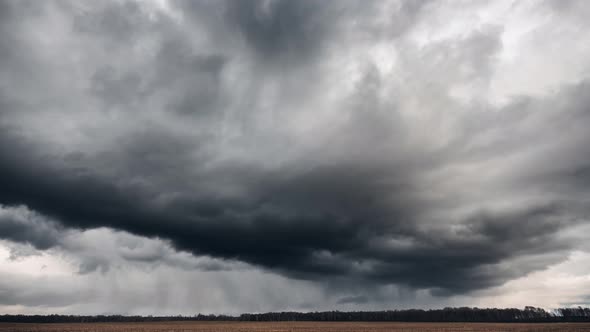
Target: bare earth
x=293, y=327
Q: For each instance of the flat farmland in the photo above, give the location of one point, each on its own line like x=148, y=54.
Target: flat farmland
x=294, y=327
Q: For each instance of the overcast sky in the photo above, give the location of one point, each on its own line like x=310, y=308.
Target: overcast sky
x=175, y=157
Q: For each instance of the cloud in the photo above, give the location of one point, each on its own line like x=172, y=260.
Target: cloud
x=278, y=28
x=319, y=141
x=360, y=221
x=101, y=249
x=22, y=225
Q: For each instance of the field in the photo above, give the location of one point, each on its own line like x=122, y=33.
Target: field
x=294, y=327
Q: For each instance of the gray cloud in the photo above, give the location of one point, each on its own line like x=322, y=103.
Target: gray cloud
x=21, y=225
x=333, y=221
x=280, y=28
x=94, y=250
x=317, y=140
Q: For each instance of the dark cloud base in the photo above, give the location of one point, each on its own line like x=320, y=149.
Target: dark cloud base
x=324, y=223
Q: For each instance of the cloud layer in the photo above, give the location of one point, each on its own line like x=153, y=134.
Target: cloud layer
x=334, y=143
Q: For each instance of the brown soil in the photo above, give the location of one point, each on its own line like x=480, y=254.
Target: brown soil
x=294, y=327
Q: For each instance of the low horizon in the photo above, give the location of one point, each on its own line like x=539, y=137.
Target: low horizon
x=168, y=157
x=529, y=314
x=529, y=307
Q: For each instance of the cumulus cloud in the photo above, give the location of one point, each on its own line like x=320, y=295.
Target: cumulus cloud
x=331, y=142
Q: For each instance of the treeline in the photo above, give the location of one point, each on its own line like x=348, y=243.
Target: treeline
x=109, y=318
x=463, y=314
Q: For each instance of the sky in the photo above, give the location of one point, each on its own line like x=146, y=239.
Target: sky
x=180, y=157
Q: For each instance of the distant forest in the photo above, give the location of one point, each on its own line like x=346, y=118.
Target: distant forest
x=463, y=314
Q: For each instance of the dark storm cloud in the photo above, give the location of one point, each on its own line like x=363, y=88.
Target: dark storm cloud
x=249, y=166
x=20, y=225
x=336, y=222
